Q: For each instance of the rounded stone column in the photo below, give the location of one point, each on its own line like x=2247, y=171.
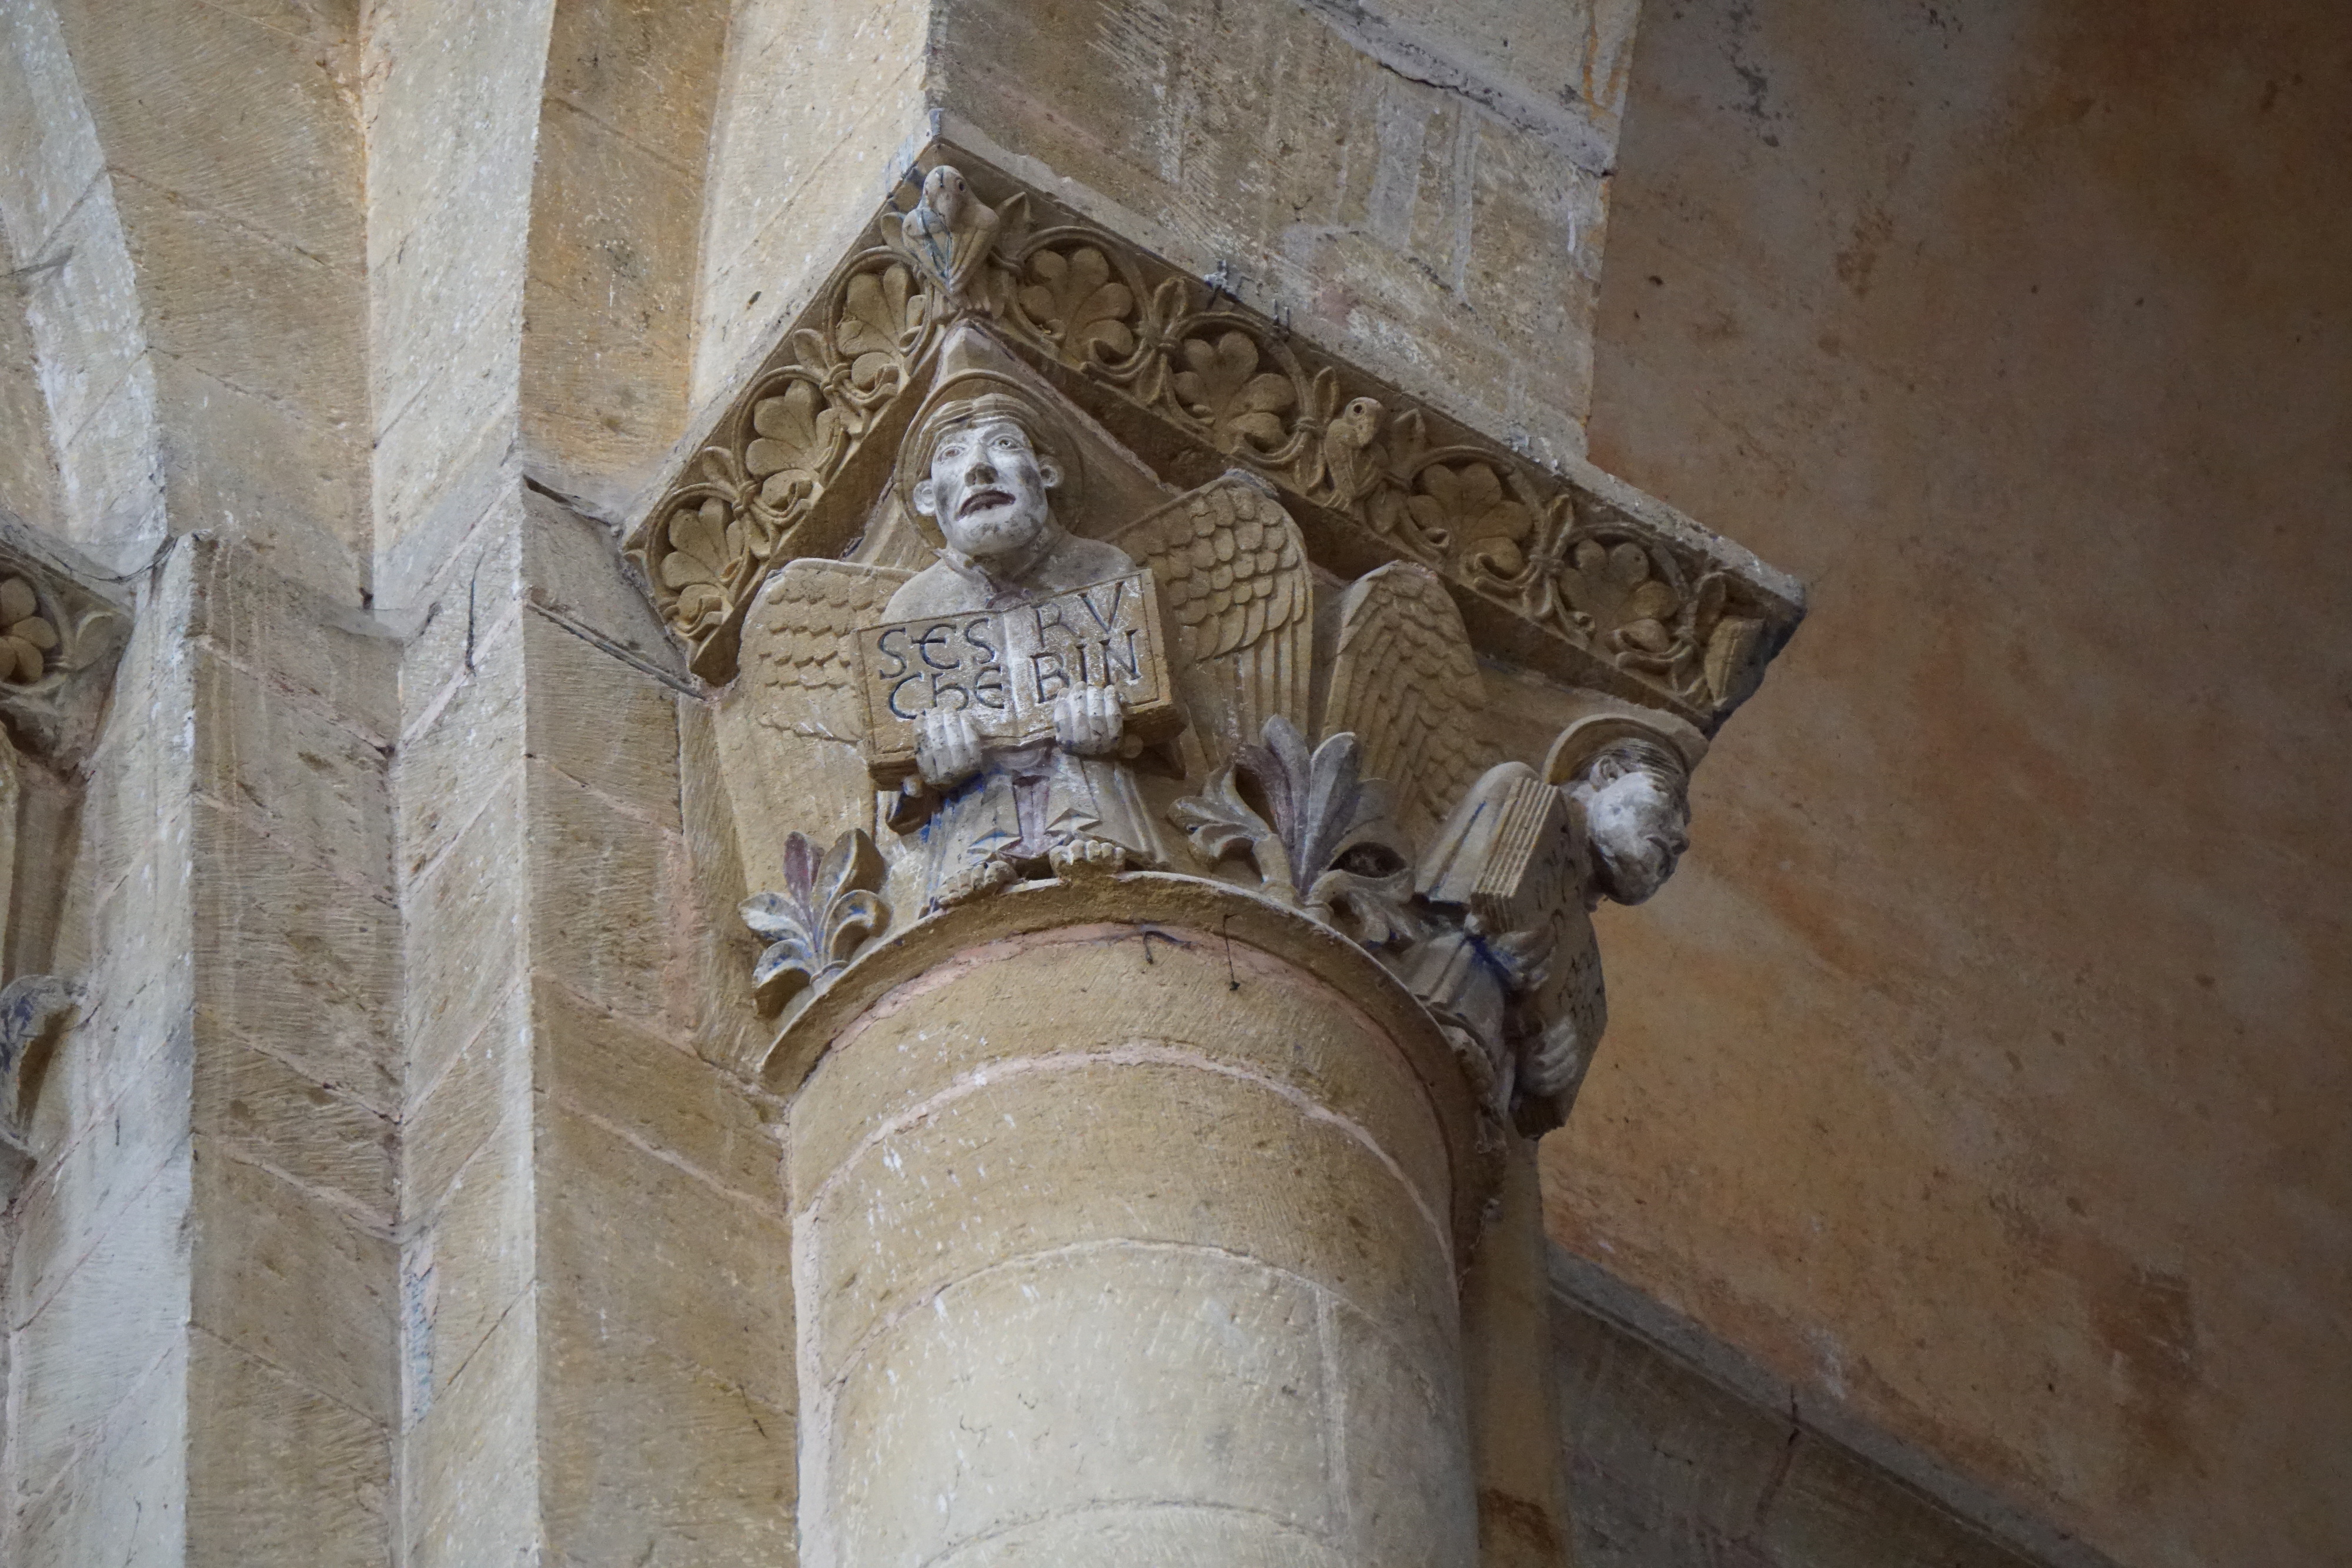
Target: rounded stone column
x=1127, y=1244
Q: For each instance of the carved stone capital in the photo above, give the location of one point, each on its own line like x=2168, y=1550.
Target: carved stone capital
x=1025, y=550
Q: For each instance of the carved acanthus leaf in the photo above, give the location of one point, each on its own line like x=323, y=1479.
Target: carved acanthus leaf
x=1318, y=831
x=829, y=907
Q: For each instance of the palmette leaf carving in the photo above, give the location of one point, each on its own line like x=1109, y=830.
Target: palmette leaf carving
x=1318, y=831
x=829, y=907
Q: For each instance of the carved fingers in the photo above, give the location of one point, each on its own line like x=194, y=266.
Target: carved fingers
x=947, y=748
x=1087, y=721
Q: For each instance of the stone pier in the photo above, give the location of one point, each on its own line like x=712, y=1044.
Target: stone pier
x=1134, y=1242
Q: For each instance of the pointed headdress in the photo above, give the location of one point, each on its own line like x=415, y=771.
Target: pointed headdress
x=978, y=379
x=1598, y=721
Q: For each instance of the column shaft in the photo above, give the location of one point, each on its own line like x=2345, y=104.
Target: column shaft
x=1125, y=1245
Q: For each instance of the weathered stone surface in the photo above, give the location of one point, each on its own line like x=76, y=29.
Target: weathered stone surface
x=313, y=785
x=281, y=1473
x=705, y=1278
x=30, y=480
x=1294, y=1031
x=1510, y=1383
x=471, y=901
x=996, y=1262
x=655, y=1094
x=727, y=1023
x=93, y=1173
x=1683, y=1450
x=572, y=564
x=450, y=136
x=82, y=1353
x=286, y=1276
x=600, y=876
x=1064, y=1383
x=78, y=1517
x=1163, y=1535
x=472, y=602
x=486, y=1085
x=276, y=623
x=1408, y=1488
x=218, y=90
x=469, y=746
x=991, y=1171
x=296, y=961
x=658, y=1461
x=259, y=1109
x=843, y=83
x=473, y=1491
x=476, y=1262
x=1336, y=191
x=602, y=723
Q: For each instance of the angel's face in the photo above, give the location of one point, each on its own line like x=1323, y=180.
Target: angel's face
x=1639, y=824
x=987, y=489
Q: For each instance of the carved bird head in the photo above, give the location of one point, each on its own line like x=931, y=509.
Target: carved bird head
x=1360, y=422
x=943, y=192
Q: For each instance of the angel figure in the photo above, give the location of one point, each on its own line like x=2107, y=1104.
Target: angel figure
x=979, y=467
x=1513, y=876
x=986, y=462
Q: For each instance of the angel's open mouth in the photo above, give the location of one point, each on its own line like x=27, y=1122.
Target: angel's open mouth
x=983, y=500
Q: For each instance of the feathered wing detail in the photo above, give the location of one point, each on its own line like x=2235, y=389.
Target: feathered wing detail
x=1405, y=679
x=800, y=667
x=788, y=730
x=1233, y=585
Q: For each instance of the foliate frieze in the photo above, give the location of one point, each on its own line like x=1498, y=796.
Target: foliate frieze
x=1670, y=613
x=1624, y=591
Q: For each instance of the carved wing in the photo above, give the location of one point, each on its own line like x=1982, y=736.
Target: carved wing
x=1232, y=581
x=799, y=670
x=788, y=731
x=1405, y=679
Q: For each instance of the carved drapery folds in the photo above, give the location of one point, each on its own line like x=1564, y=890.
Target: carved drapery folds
x=1585, y=578
x=1088, y=656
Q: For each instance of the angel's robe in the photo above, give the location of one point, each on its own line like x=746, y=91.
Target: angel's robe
x=1026, y=800
x=1521, y=974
